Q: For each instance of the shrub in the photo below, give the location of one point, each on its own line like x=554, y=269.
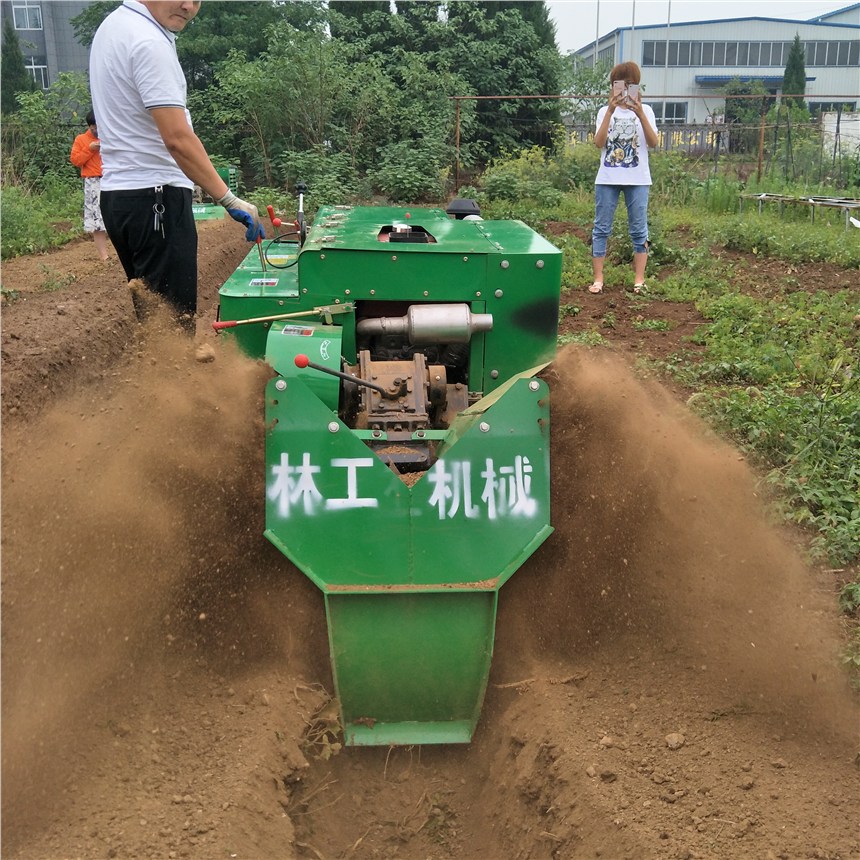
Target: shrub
x=409, y=173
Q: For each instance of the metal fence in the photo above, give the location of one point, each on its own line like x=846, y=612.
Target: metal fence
x=823, y=151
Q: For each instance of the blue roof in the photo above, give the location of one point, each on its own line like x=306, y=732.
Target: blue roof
x=835, y=12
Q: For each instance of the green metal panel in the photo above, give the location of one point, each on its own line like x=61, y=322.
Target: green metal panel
x=411, y=666
x=410, y=574
x=320, y=343
x=490, y=488
x=250, y=293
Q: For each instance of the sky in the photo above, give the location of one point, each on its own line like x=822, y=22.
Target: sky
x=577, y=20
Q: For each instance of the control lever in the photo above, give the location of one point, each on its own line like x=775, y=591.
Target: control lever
x=302, y=361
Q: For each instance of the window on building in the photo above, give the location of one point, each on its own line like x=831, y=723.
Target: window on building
x=669, y=113
x=845, y=52
x=673, y=53
x=27, y=15
x=779, y=55
x=38, y=70
x=648, y=53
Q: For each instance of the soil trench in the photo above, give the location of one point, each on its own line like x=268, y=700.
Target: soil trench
x=665, y=680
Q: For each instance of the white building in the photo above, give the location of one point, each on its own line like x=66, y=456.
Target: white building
x=684, y=65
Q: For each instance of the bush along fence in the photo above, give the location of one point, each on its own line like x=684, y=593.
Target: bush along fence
x=750, y=136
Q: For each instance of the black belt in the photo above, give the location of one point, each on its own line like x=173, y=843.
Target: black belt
x=146, y=192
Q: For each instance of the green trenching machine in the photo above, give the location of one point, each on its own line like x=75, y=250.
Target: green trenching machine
x=407, y=441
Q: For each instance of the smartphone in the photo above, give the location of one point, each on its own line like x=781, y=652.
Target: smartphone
x=632, y=93
x=618, y=88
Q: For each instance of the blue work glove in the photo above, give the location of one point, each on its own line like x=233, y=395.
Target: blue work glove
x=244, y=213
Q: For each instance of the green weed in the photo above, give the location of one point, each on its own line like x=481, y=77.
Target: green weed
x=583, y=338
x=651, y=325
x=52, y=280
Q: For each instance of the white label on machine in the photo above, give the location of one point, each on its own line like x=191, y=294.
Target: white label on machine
x=263, y=282
x=297, y=330
x=494, y=492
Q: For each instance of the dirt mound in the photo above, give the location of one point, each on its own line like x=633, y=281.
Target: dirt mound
x=665, y=682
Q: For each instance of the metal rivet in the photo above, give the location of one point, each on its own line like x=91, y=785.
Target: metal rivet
x=322, y=256
x=280, y=302
x=373, y=292
x=494, y=374
x=478, y=293
x=498, y=294
x=534, y=385
x=426, y=293
x=485, y=428
x=394, y=258
x=377, y=434
x=539, y=264
x=281, y=384
x=504, y=264
x=420, y=434
x=333, y=427
x=465, y=259
x=337, y=301
x=346, y=292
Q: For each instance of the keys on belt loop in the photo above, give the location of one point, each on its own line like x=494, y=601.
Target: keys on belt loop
x=158, y=211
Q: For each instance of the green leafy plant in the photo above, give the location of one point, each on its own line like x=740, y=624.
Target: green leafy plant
x=53, y=280
x=583, y=338
x=651, y=325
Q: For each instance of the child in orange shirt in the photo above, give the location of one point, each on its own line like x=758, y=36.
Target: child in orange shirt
x=87, y=156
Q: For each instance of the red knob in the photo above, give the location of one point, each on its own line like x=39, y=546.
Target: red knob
x=302, y=361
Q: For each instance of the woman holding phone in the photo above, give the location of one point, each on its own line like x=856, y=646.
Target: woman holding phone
x=625, y=130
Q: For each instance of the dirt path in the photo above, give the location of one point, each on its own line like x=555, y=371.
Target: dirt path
x=665, y=682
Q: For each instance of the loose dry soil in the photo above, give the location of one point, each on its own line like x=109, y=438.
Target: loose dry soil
x=665, y=683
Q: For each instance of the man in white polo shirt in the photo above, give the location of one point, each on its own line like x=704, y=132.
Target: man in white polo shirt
x=151, y=157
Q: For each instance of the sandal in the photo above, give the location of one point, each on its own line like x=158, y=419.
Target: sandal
x=640, y=288
x=596, y=287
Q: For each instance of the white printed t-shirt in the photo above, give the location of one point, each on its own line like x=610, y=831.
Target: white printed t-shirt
x=134, y=68
x=624, y=158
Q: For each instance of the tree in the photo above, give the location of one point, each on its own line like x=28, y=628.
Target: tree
x=590, y=83
x=498, y=52
x=86, y=24
x=15, y=77
x=43, y=128
x=794, y=77
x=217, y=30
x=745, y=113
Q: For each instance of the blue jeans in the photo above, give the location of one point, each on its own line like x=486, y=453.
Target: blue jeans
x=605, y=203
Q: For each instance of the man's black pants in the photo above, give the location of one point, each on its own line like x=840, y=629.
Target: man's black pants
x=168, y=262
